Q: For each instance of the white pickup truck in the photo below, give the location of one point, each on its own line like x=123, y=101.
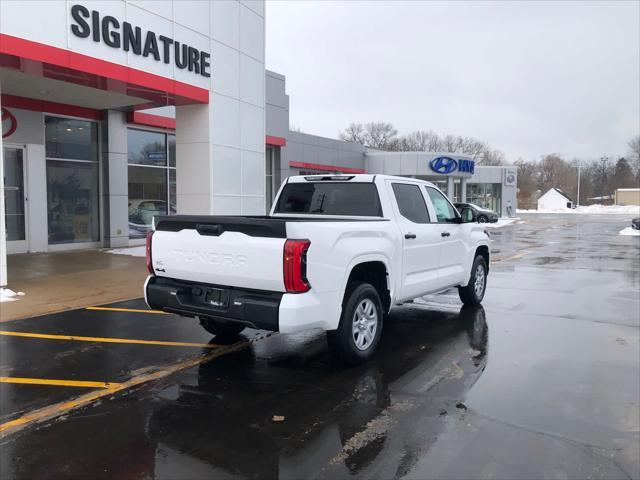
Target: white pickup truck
x=335, y=253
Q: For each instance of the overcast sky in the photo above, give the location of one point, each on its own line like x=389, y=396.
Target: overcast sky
x=529, y=78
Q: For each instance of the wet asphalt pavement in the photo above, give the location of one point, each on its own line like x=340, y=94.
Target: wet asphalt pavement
x=543, y=381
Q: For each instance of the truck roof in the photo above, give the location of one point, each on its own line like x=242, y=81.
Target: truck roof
x=346, y=177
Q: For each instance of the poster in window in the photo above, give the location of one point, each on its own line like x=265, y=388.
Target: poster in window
x=510, y=177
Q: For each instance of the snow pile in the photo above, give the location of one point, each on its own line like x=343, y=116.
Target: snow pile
x=503, y=222
x=140, y=251
x=8, y=295
x=630, y=231
x=633, y=210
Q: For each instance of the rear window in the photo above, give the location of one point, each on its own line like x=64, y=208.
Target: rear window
x=330, y=198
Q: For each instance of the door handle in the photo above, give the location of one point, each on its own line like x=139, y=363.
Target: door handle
x=445, y=234
x=409, y=236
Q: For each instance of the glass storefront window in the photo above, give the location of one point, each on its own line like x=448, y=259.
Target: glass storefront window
x=152, y=184
x=485, y=195
x=72, y=202
x=73, y=206
x=71, y=139
x=147, y=197
x=146, y=148
x=14, y=212
x=172, y=150
x=172, y=192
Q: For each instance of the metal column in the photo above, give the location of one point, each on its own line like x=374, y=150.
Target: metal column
x=450, y=188
x=3, y=244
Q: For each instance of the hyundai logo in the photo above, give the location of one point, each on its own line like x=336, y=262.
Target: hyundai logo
x=443, y=165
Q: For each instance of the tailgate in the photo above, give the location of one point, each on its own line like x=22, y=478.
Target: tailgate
x=220, y=251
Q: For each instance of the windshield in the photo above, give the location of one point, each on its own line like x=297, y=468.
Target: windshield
x=330, y=198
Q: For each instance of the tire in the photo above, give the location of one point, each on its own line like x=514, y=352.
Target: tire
x=360, y=328
x=482, y=219
x=221, y=329
x=473, y=292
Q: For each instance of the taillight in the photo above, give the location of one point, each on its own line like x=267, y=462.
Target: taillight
x=295, y=266
x=148, y=253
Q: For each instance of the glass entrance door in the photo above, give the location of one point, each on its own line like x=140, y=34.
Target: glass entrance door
x=14, y=199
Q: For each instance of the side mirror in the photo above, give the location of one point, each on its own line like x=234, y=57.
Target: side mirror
x=468, y=215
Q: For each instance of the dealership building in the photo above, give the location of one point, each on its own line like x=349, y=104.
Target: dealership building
x=116, y=111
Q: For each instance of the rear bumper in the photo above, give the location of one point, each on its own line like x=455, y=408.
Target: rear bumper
x=255, y=309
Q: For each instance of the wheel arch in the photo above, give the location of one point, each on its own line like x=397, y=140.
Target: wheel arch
x=373, y=270
x=483, y=250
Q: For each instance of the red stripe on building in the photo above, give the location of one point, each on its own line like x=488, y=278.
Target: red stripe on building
x=325, y=168
x=13, y=101
x=151, y=120
x=89, y=71
x=275, y=141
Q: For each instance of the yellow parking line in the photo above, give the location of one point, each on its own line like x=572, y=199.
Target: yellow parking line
x=53, y=411
x=57, y=383
x=106, y=340
x=131, y=310
x=512, y=257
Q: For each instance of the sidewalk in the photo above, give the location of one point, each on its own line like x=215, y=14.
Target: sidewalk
x=53, y=282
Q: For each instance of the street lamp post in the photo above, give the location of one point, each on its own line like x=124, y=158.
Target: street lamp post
x=604, y=161
x=576, y=163
x=578, y=166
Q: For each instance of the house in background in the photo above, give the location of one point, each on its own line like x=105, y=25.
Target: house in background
x=555, y=199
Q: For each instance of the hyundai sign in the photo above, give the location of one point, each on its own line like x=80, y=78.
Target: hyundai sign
x=449, y=165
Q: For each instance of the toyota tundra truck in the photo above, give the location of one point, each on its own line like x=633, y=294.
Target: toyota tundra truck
x=335, y=253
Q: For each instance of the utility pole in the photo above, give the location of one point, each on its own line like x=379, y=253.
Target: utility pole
x=578, y=166
x=604, y=161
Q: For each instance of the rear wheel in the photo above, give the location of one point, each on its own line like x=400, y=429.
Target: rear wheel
x=221, y=329
x=473, y=292
x=358, y=334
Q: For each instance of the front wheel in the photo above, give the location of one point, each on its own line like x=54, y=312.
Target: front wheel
x=360, y=328
x=482, y=219
x=221, y=329
x=473, y=292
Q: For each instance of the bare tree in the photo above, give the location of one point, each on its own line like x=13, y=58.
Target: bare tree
x=491, y=158
x=380, y=135
x=354, y=133
x=384, y=136
x=476, y=149
x=527, y=183
x=555, y=172
x=421, y=141
x=623, y=175
x=452, y=143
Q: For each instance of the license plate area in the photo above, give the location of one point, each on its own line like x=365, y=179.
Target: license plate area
x=211, y=297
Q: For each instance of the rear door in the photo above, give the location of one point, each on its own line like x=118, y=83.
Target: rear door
x=223, y=251
x=453, y=253
x=421, y=242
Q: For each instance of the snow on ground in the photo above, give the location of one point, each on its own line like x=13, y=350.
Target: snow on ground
x=630, y=231
x=131, y=251
x=633, y=210
x=503, y=222
x=8, y=295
